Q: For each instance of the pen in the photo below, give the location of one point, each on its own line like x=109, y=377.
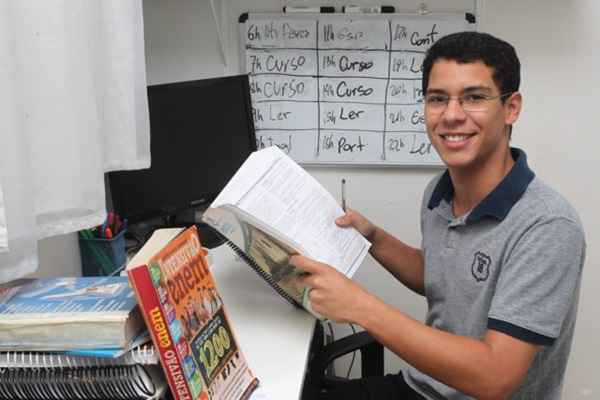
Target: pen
x=117, y=226
x=105, y=262
x=367, y=9
x=344, y=195
x=308, y=9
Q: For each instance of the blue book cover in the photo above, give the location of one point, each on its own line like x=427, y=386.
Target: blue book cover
x=62, y=313
x=112, y=352
x=68, y=295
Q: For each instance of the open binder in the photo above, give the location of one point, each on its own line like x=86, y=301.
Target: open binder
x=251, y=261
x=37, y=375
x=272, y=209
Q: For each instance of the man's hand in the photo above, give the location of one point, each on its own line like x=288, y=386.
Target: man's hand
x=332, y=294
x=359, y=222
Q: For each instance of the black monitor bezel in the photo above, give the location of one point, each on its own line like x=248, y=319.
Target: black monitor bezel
x=170, y=212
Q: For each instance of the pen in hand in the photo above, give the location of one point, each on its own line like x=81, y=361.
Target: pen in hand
x=344, y=195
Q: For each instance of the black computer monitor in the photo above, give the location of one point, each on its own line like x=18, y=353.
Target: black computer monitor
x=201, y=132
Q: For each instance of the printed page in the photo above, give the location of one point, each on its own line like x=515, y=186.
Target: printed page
x=292, y=202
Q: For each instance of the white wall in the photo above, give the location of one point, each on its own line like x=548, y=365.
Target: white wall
x=181, y=40
x=557, y=42
x=59, y=255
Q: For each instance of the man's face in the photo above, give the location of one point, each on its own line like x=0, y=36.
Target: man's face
x=467, y=140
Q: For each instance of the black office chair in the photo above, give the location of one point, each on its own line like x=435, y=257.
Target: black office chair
x=319, y=380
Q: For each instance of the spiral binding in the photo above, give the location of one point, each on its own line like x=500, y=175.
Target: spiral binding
x=117, y=382
x=254, y=265
x=34, y=359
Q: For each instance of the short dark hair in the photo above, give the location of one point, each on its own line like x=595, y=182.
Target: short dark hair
x=469, y=46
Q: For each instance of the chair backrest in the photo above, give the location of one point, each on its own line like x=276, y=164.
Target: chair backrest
x=318, y=381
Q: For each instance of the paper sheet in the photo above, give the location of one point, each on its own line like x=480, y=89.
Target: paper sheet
x=260, y=394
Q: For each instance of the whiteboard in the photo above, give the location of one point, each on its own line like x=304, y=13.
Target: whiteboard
x=341, y=89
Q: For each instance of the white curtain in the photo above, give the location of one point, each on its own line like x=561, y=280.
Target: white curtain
x=72, y=106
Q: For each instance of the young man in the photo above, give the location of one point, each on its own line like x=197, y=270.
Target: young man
x=501, y=257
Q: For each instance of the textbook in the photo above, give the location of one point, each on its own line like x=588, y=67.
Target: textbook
x=188, y=323
x=66, y=313
x=271, y=209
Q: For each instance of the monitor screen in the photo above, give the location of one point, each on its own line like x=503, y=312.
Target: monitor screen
x=200, y=132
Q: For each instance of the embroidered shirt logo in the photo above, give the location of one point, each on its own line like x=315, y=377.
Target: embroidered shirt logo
x=481, y=266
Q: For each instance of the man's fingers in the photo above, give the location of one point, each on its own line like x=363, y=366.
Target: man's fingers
x=345, y=219
x=310, y=268
x=306, y=264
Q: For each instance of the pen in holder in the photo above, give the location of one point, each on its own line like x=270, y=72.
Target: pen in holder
x=101, y=256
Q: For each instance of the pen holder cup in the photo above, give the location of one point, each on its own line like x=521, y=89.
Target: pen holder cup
x=102, y=257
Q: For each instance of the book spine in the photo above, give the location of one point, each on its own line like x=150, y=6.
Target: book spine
x=157, y=326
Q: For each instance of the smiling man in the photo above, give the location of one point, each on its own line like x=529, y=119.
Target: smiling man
x=501, y=256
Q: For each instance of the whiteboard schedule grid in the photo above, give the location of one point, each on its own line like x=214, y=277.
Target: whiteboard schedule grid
x=340, y=89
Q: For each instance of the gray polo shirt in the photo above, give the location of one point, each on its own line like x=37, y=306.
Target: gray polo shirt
x=513, y=264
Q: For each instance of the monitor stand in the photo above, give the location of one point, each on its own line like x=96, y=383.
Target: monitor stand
x=209, y=237
x=139, y=233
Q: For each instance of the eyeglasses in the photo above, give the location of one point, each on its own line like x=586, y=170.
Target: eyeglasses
x=472, y=102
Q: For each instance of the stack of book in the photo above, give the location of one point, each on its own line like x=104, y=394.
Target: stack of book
x=75, y=338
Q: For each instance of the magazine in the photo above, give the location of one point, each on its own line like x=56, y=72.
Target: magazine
x=189, y=324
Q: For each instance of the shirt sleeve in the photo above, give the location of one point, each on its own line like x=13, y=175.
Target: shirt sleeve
x=539, y=281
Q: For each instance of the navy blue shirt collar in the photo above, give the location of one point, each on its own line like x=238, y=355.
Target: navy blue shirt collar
x=499, y=201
